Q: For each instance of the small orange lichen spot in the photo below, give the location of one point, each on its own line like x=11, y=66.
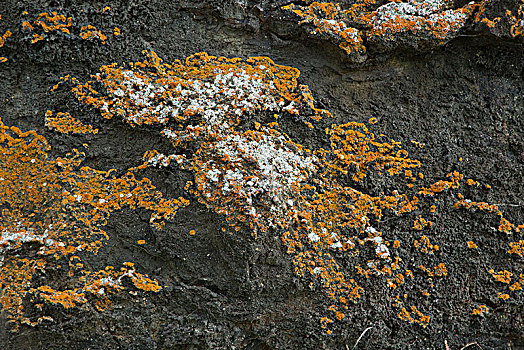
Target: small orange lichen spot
x=481, y=310
x=3, y=59
x=192, y=232
x=396, y=244
x=141, y=241
x=472, y=182
x=27, y=26
x=433, y=208
x=517, y=248
x=37, y=37
x=415, y=316
x=339, y=315
x=4, y=37
x=373, y=120
x=116, y=31
x=105, y=9
x=425, y=245
x=324, y=321
x=441, y=270
x=460, y=159
x=501, y=276
x=502, y=296
x=517, y=285
x=90, y=32
x=472, y=245
x=329, y=332
x=65, y=123
x=418, y=144
x=420, y=223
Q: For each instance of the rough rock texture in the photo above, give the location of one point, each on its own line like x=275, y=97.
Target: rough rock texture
x=463, y=100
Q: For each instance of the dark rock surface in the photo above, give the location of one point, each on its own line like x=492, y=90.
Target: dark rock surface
x=464, y=100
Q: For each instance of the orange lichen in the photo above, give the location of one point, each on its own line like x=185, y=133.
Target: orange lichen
x=441, y=270
x=57, y=210
x=328, y=19
x=512, y=18
x=67, y=298
x=443, y=185
x=431, y=19
x=259, y=179
x=425, y=246
x=517, y=248
x=472, y=245
x=90, y=32
x=353, y=146
x=418, y=144
x=55, y=23
x=415, y=316
x=501, y=276
x=421, y=223
x=472, y=182
x=3, y=38
x=503, y=296
x=518, y=285
x=47, y=23
x=324, y=321
x=65, y=123
x=504, y=226
x=481, y=310
x=262, y=181
x=388, y=22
